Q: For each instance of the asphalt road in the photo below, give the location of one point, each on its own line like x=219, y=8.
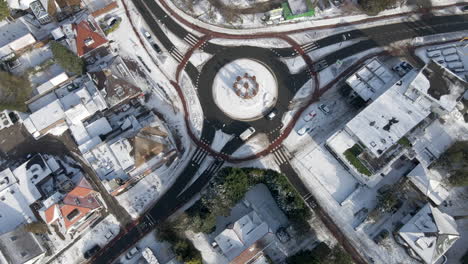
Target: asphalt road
x=178, y=194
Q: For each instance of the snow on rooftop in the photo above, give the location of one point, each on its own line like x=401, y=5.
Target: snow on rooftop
x=381, y=124
x=102, y=160
x=29, y=174
x=14, y=209
x=52, y=83
x=6, y=179
x=430, y=233
x=14, y=36
x=245, y=231
x=99, y=127
x=122, y=150
x=298, y=6
x=47, y=115
x=371, y=80
x=429, y=183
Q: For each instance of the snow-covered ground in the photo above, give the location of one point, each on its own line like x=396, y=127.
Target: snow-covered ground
x=203, y=14
x=91, y=237
x=256, y=85
x=161, y=250
x=264, y=42
x=255, y=144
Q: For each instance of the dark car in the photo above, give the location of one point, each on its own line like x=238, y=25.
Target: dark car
x=157, y=48
x=381, y=236
x=92, y=251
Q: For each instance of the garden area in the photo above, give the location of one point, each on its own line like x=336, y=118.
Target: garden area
x=352, y=154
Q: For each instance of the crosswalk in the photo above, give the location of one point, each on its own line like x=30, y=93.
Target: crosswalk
x=199, y=156
x=281, y=155
x=214, y=167
x=191, y=39
x=176, y=54
x=310, y=47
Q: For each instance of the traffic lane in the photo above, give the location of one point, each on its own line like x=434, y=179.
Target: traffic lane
x=287, y=87
x=396, y=31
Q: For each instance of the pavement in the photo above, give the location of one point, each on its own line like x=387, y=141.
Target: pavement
x=180, y=193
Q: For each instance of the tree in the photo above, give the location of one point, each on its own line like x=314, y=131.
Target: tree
x=303, y=257
x=387, y=200
x=4, y=11
x=14, y=91
x=67, y=59
x=373, y=7
x=36, y=227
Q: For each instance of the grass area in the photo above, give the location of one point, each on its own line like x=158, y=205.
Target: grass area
x=373, y=7
x=404, y=141
x=351, y=155
x=113, y=28
x=14, y=91
x=287, y=13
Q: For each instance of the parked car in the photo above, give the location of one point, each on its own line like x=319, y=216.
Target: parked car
x=381, y=236
x=324, y=108
x=310, y=116
x=157, y=48
x=271, y=115
x=464, y=8
x=132, y=252
x=405, y=65
x=92, y=251
x=147, y=35
x=304, y=129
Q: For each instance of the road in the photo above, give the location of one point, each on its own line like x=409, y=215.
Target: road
x=180, y=193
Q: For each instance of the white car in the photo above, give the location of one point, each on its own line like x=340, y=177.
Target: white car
x=132, y=252
x=310, y=116
x=304, y=129
x=147, y=35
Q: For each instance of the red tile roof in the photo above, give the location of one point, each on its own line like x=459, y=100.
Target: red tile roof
x=84, y=34
x=50, y=214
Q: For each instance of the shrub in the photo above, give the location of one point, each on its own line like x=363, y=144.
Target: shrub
x=404, y=141
x=113, y=28
x=14, y=91
x=373, y=7
x=67, y=59
x=4, y=10
x=351, y=155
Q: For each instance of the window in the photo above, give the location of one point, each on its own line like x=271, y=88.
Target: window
x=23, y=254
x=73, y=214
x=13, y=238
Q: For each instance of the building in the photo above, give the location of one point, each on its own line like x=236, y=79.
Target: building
x=56, y=109
x=429, y=183
x=379, y=134
x=82, y=35
x=15, y=37
x=429, y=234
x=78, y=209
x=241, y=235
x=115, y=79
x=297, y=8
x=371, y=80
x=20, y=247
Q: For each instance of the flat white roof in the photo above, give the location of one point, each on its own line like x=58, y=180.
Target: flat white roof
x=6, y=179
x=47, y=115
x=29, y=174
x=371, y=80
x=381, y=124
x=52, y=83
x=122, y=150
x=14, y=209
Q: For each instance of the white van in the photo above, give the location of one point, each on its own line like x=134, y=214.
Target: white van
x=247, y=133
x=449, y=51
x=455, y=65
x=453, y=57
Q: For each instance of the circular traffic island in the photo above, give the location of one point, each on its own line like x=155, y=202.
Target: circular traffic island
x=245, y=89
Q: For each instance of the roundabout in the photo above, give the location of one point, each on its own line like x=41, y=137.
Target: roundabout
x=245, y=89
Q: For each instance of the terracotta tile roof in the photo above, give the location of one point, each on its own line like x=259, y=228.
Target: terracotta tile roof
x=51, y=214
x=67, y=209
x=82, y=189
x=86, y=35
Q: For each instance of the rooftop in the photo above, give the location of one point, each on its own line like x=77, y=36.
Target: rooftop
x=20, y=246
x=298, y=6
x=430, y=233
x=429, y=183
x=88, y=36
x=371, y=80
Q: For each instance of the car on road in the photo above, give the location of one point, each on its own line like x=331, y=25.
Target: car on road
x=156, y=48
x=324, y=108
x=92, y=251
x=464, y=8
x=310, y=116
x=247, y=133
x=147, y=35
x=132, y=252
x=272, y=114
x=304, y=129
